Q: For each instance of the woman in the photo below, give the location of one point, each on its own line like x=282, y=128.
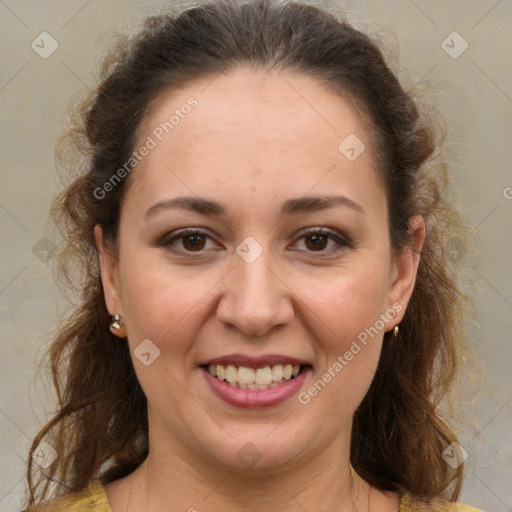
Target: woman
x=267, y=319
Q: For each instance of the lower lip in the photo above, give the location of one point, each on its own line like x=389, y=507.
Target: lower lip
x=253, y=398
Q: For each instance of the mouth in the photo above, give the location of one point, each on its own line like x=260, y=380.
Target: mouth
x=265, y=377
x=255, y=382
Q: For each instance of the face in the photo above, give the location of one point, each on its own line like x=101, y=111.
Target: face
x=251, y=246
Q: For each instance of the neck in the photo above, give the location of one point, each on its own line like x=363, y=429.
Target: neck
x=184, y=482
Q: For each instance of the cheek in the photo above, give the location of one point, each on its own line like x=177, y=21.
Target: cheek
x=349, y=331
x=161, y=303
x=167, y=307
x=349, y=302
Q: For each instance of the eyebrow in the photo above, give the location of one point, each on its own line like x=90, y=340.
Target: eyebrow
x=297, y=206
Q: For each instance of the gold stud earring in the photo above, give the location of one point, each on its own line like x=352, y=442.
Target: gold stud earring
x=115, y=322
x=117, y=327
x=395, y=331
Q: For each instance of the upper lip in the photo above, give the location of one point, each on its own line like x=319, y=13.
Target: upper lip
x=255, y=361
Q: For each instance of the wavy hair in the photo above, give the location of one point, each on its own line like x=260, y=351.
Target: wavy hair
x=100, y=429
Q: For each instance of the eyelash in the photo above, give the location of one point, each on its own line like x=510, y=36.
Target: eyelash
x=342, y=240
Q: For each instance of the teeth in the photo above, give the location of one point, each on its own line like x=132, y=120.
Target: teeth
x=263, y=375
x=245, y=375
x=231, y=375
x=277, y=373
x=248, y=378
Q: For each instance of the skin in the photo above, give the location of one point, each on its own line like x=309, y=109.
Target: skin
x=254, y=140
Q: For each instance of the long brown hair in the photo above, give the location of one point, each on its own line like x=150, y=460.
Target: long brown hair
x=100, y=429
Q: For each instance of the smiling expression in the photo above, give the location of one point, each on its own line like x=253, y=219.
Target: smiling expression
x=285, y=260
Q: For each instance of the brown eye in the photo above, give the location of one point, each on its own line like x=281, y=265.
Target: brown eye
x=317, y=241
x=193, y=242
x=187, y=241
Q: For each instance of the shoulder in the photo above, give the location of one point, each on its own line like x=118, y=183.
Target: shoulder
x=91, y=499
x=410, y=503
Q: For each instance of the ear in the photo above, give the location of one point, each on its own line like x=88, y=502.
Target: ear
x=109, y=273
x=405, y=268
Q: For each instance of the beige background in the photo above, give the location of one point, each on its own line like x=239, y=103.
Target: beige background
x=473, y=91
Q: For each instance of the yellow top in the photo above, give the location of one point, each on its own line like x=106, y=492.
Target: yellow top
x=94, y=499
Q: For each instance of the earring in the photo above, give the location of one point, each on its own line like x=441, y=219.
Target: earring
x=395, y=331
x=115, y=322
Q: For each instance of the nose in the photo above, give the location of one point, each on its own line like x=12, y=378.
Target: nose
x=255, y=297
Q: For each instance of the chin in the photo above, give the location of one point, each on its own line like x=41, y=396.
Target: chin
x=254, y=450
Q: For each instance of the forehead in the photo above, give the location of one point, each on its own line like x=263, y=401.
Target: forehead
x=249, y=127
x=276, y=106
